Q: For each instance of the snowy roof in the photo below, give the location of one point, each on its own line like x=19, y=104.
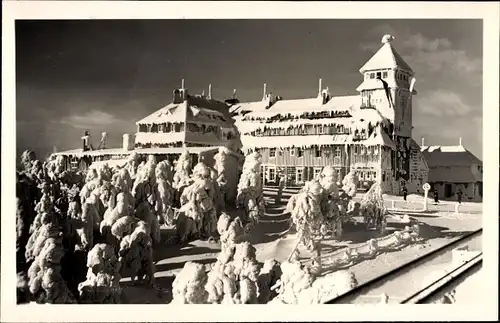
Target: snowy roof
x=386, y=57
x=98, y=152
x=449, y=156
x=454, y=175
x=297, y=107
x=172, y=112
x=197, y=109
x=174, y=150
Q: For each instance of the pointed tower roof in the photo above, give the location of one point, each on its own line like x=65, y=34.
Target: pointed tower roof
x=386, y=57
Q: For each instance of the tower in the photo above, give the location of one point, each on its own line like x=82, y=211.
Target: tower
x=388, y=87
x=388, y=83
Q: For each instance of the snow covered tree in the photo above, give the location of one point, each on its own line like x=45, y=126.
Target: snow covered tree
x=373, y=209
x=102, y=285
x=164, y=182
x=250, y=198
x=308, y=218
x=45, y=281
x=226, y=166
x=189, y=285
x=198, y=216
x=182, y=173
x=135, y=248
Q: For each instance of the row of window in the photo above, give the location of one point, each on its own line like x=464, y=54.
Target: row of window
x=299, y=152
x=402, y=76
x=301, y=130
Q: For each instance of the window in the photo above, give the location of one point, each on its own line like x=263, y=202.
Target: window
x=372, y=75
x=320, y=129
x=337, y=152
x=317, y=172
x=379, y=74
x=317, y=151
x=384, y=75
x=300, y=152
x=272, y=175
x=299, y=174
x=292, y=152
x=272, y=152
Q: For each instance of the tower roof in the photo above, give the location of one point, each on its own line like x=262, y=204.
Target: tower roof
x=386, y=57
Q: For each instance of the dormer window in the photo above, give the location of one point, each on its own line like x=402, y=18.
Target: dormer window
x=384, y=75
x=379, y=75
x=372, y=75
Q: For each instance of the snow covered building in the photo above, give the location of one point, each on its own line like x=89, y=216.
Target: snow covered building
x=454, y=168
x=197, y=123
x=369, y=132
x=188, y=121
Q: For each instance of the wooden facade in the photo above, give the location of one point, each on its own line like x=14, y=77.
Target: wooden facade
x=297, y=165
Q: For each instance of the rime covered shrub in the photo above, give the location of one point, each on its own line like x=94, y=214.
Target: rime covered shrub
x=299, y=286
x=45, y=281
x=182, y=171
x=136, y=249
x=249, y=197
x=372, y=208
x=198, y=216
x=102, y=285
x=234, y=279
x=307, y=216
x=226, y=167
x=189, y=285
x=164, y=202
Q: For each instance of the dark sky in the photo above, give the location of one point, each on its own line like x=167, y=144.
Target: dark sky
x=103, y=75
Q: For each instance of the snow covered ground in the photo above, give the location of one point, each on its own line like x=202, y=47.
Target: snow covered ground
x=437, y=227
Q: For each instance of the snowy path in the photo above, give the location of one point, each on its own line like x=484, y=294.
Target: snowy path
x=269, y=240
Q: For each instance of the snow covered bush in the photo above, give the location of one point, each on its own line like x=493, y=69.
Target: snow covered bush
x=234, y=279
x=27, y=193
x=226, y=166
x=308, y=218
x=182, y=171
x=164, y=182
x=373, y=210
x=136, y=249
x=230, y=230
x=198, y=216
x=28, y=157
x=189, y=285
x=249, y=197
x=299, y=286
x=102, y=285
x=45, y=281
x=350, y=184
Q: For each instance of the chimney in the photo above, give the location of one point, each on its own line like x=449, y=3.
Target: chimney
x=265, y=92
x=320, y=88
x=126, y=142
x=460, y=141
x=182, y=84
x=234, y=94
x=423, y=142
x=209, y=91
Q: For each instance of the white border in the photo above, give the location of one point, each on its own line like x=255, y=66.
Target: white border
x=196, y=10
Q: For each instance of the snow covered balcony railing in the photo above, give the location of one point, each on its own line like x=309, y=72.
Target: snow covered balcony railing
x=142, y=138
x=294, y=141
x=270, y=116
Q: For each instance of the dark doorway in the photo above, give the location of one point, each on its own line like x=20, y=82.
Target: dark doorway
x=447, y=190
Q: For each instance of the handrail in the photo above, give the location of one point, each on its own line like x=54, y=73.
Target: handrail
x=349, y=296
x=436, y=290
